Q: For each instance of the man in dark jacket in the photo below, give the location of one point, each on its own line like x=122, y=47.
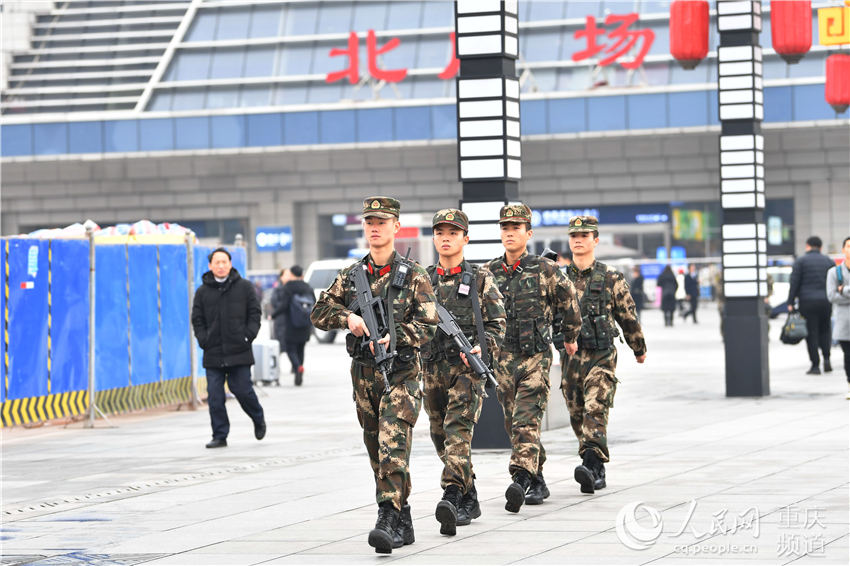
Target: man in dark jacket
x=278, y=322
x=808, y=285
x=294, y=307
x=226, y=319
x=692, y=293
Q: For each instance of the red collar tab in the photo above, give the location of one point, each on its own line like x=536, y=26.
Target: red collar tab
x=513, y=267
x=453, y=271
x=381, y=272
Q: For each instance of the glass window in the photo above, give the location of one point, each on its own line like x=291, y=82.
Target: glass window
x=713, y=118
x=335, y=17
x=193, y=65
x=567, y=115
x=227, y=63
x=300, y=20
x=160, y=101
x=774, y=68
x=429, y=88
x=809, y=103
x=228, y=131
x=337, y=127
x=156, y=134
x=404, y=15
x=619, y=7
x=533, y=117
x=233, y=23
x=444, y=121
x=50, y=139
x=290, y=94
x=264, y=130
x=85, y=137
x=121, y=135
x=16, y=139
x=301, y=128
x=809, y=66
x=654, y=6
x=374, y=125
x=189, y=99
x=402, y=57
x=544, y=10
x=192, y=133
x=647, y=111
x=542, y=46
x=295, y=60
x=370, y=15
x=765, y=38
x=323, y=63
x=571, y=43
x=541, y=80
x=699, y=74
x=256, y=96
x=575, y=78
x=412, y=123
x=324, y=92
x=222, y=97
x=661, y=43
x=433, y=53
x=203, y=28
x=581, y=8
x=438, y=14
x=265, y=21
x=259, y=62
x=657, y=74
x=687, y=108
x=777, y=104
x=606, y=113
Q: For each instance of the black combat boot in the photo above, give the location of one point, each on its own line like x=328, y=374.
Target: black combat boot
x=538, y=490
x=515, y=494
x=447, y=510
x=404, y=533
x=381, y=537
x=469, y=508
x=599, y=482
x=585, y=474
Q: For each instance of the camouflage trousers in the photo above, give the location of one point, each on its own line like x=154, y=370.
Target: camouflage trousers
x=588, y=384
x=524, y=393
x=387, y=422
x=453, y=404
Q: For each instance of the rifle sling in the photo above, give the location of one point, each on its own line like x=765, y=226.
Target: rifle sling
x=476, y=313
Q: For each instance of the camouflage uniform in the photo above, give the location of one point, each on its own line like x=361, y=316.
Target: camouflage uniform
x=535, y=290
x=453, y=390
x=387, y=420
x=587, y=377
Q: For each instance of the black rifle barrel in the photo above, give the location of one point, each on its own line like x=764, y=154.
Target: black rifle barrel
x=372, y=312
x=452, y=329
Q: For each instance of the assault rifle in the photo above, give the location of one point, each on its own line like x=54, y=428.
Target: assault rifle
x=450, y=327
x=375, y=316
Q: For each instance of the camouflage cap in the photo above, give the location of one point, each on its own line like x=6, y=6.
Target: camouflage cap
x=583, y=224
x=451, y=216
x=382, y=207
x=518, y=213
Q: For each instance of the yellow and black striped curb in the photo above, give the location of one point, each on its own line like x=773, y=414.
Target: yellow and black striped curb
x=111, y=401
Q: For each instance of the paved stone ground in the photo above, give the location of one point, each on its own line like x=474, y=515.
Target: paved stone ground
x=744, y=480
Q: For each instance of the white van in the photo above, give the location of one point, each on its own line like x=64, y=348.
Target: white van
x=319, y=275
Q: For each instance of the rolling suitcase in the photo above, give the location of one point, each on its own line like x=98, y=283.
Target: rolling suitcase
x=265, y=370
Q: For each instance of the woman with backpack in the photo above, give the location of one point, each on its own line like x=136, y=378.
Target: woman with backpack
x=295, y=306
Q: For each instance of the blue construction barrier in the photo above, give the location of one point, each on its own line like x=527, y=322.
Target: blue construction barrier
x=143, y=339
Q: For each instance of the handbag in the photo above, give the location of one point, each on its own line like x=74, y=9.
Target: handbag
x=794, y=330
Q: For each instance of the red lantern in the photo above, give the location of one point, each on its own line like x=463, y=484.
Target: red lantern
x=838, y=81
x=689, y=32
x=791, y=28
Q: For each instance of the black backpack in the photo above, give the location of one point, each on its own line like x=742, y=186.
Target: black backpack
x=300, y=308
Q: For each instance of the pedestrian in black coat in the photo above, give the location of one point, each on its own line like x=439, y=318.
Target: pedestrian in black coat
x=226, y=319
x=808, y=285
x=296, y=333
x=692, y=293
x=636, y=288
x=668, y=284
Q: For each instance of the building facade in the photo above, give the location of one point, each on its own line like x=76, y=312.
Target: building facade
x=273, y=119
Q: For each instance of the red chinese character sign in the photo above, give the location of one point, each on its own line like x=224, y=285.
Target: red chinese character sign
x=626, y=40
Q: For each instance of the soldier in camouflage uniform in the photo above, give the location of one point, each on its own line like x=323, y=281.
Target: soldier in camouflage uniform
x=387, y=419
x=588, y=381
x=453, y=390
x=535, y=291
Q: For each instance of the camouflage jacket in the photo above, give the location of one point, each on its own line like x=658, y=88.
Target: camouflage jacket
x=620, y=306
x=415, y=312
x=489, y=298
x=535, y=293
